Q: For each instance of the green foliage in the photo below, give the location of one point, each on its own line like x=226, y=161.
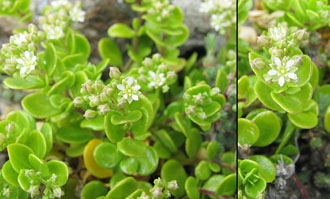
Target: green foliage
x=127, y=128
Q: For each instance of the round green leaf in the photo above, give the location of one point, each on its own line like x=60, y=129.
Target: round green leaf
x=19, y=83
x=93, y=189
x=193, y=143
x=120, y=30
x=9, y=174
x=212, y=150
x=61, y=171
x=39, y=106
x=294, y=103
x=227, y=186
x=132, y=148
x=263, y=93
x=166, y=140
x=327, y=120
x=47, y=132
x=74, y=134
x=115, y=133
x=96, y=124
x=191, y=186
x=304, y=120
x=202, y=170
x=19, y=156
x=129, y=166
x=248, y=132
x=123, y=188
x=253, y=190
x=106, y=155
x=108, y=49
x=131, y=116
x=269, y=125
x=267, y=168
x=173, y=170
x=148, y=163
x=213, y=183
x=35, y=141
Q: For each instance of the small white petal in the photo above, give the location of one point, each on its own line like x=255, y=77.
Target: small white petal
x=152, y=74
x=120, y=87
x=281, y=81
x=137, y=87
x=292, y=75
x=277, y=62
x=289, y=63
x=272, y=72
x=130, y=81
x=125, y=96
x=135, y=97
x=20, y=61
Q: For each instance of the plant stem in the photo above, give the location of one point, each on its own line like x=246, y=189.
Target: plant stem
x=300, y=186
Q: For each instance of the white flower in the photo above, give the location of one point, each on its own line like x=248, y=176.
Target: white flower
x=282, y=71
x=279, y=33
x=6, y=192
x=52, y=178
x=129, y=89
x=27, y=63
x=54, y=32
x=19, y=39
x=57, y=192
x=157, y=192
x=198, y=98
x=59, y=3
x=33, y=190
x=157, y=80
x=77, y=14
x=190, y=109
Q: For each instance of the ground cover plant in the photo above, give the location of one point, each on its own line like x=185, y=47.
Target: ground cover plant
x=283, y=99
x=143, y=123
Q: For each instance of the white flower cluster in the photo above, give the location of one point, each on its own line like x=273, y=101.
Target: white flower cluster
x=155, y=74
x=5, y=5
x=161, y=9
x=223, y=13
x=102, y=98
x=129, y=89
x=21, y=53
x=283, y=70
x=59, y=16
x=194, y=104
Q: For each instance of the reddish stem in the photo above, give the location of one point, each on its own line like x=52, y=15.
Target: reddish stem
x=300, y=186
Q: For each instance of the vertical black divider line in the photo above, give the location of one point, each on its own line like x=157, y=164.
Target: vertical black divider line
x=236, y=98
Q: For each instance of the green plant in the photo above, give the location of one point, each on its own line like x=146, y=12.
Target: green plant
x=16, y=8
x=78, y=128
x=280, y=96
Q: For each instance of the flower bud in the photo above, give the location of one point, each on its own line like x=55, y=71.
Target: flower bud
x=263, y=41
x=98, y=86
x=32, y=28
x=172, y=185
x=90, y=114
x=94, y=100
x=78, y=101
x=259, y=63
x=104, y=109
x=158, y=182
x=114, y=73
x=87, y=86
x=276, y=52
x=167, y=194
x=156, y=57
x=215, y=91
x=147, y=62
x=157, y=192
x=301, y=35
x=2, y=138
x=10, y=128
